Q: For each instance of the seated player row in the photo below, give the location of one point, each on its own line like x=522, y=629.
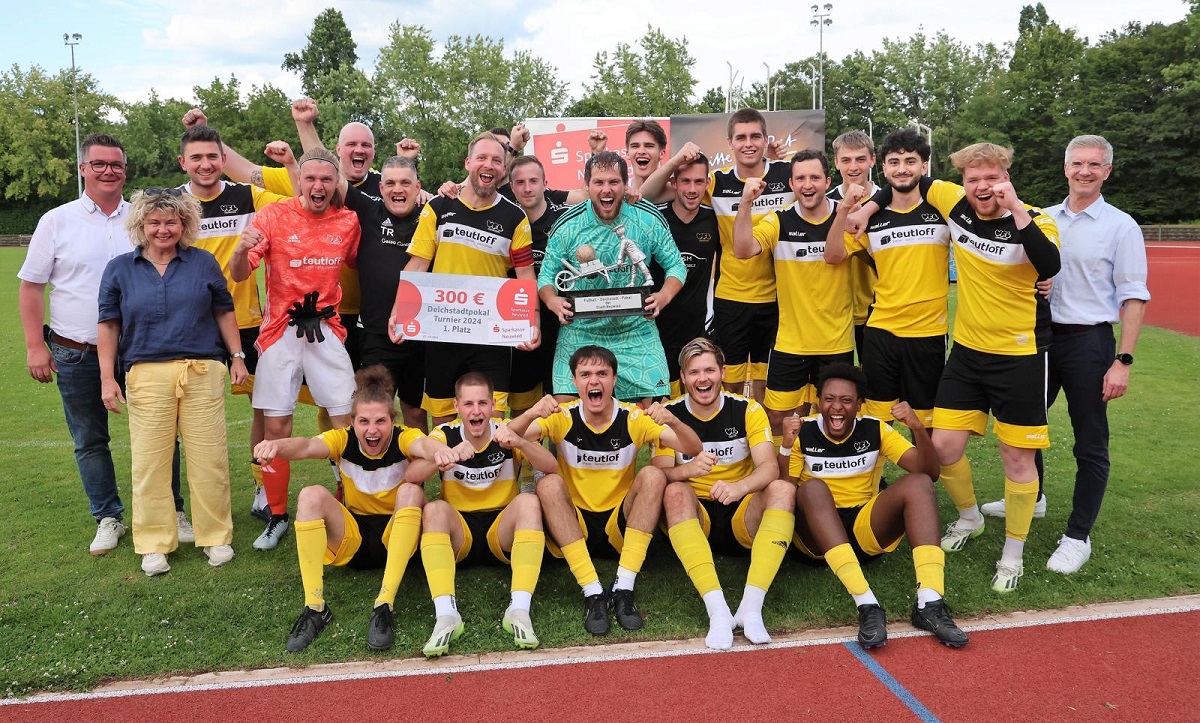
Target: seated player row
x=714, y=485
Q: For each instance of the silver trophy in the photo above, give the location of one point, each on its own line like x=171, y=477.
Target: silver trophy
x=614, y=301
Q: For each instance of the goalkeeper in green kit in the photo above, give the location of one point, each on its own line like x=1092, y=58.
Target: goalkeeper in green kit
x=607, y=243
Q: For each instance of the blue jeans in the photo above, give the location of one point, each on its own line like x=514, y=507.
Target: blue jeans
x=87, y=421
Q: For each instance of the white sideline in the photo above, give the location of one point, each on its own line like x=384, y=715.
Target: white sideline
x=515, y=660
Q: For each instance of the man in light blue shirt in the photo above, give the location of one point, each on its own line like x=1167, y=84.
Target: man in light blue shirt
x=1102, y=282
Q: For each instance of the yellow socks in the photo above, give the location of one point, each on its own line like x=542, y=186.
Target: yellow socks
x=959, y=483
x=633, y=553
x=438, y=556
x=930, y=564
x=311, y=543
x=842, y=561
x=401, y=544
x=1019, y=500
x=526, y=559
x=770, y=545
x=580, y=562
x=691, y=546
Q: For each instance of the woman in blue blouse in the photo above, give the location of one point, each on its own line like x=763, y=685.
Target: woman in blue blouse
x=166, y=313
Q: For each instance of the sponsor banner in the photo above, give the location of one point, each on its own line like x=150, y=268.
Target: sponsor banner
x=465, y=309
x=562, y=143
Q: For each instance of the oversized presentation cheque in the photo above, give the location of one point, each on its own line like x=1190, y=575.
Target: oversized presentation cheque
x=465, y=309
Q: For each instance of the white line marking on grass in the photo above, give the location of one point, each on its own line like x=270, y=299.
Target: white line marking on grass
x=408, y=667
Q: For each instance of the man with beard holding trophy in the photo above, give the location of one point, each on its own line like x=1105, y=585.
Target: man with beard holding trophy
x=596, y=279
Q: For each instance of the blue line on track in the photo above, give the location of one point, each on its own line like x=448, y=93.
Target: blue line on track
x=892, y=684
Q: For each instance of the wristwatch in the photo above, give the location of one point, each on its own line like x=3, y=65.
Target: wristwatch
x=512, y=151
x=1126, y=359
x=238, y=355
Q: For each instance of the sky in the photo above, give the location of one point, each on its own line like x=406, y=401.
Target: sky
x=133, y=46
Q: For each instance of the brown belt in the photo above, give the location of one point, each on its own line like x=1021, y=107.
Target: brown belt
x=71, y=343
x=1074, y=328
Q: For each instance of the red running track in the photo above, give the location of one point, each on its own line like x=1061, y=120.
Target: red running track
x=1174, y=282
x=1122, y=669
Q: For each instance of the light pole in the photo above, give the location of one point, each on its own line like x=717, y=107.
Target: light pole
x=812, y=83
x=768, y=84
x=820, y=19
x=72, y=39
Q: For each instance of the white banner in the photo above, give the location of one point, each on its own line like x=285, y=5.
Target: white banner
x=465, y=309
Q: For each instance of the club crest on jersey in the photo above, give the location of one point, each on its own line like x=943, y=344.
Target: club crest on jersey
x=862, y=446
x=704, y=237
x=229, y=208
x=930, y=217
x=616, y=443
x=776, y=187
x=496, y=457
x=1003, y=235
x=731, y=432
x=333, y=239
x=495, y=227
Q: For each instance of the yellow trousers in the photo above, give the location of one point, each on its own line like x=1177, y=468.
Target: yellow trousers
x=184, y=397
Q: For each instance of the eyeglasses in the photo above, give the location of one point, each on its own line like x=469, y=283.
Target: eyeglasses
x=1092, y=166
x=151, y=192
x=102, y=166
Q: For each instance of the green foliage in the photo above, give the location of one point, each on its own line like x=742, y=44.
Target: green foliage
x=330, y=48
x=655, y=80
x=443, y=98
x=37, y=133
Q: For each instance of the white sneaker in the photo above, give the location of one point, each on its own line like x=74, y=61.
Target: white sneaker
x=958, y=532
x=446, y=630
x=1070, y=555
x=155, y=564
x=218, y=554
x=186, y=534
x=271, y=536
x=108, y=532
x=997, y=509
x=1007, y=576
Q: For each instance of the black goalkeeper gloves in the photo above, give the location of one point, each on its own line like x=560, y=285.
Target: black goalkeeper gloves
x=307, y=317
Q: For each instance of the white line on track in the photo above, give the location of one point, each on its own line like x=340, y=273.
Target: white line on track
x=407, y=667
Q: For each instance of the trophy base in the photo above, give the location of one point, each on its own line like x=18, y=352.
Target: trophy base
x=600, y=303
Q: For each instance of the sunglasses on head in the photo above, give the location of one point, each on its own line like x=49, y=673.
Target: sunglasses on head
x=151, y=192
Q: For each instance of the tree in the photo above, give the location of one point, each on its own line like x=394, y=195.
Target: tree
x=442, y=99
x=657, y=81
x=37, y=134
x=713, y=101
x=330, y=47
x=150, y=133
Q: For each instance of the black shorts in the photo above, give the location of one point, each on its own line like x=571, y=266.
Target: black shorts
x=745, y=331
x=1012, y=388
x=904, y=368
x=405, y=362
x=479, y=523
x=848, y=515
x=249, y=337
x=599, y=541
x=791, y=372
x=445, y=363
x=372, y=553
x=720, y=528
x=860, y=331
x=531, y=368
x=350, y=321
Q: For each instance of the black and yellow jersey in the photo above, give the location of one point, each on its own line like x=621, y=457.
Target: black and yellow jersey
x=999, y=309
x=814, y=297
x=487, y=481
x=729, y=434
x=369, y=483
x=862, y=275
x=598, y=464
x=912, y=254
x=850, y=468
x=223, y=219
x=746, y=280
x=459, y=239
